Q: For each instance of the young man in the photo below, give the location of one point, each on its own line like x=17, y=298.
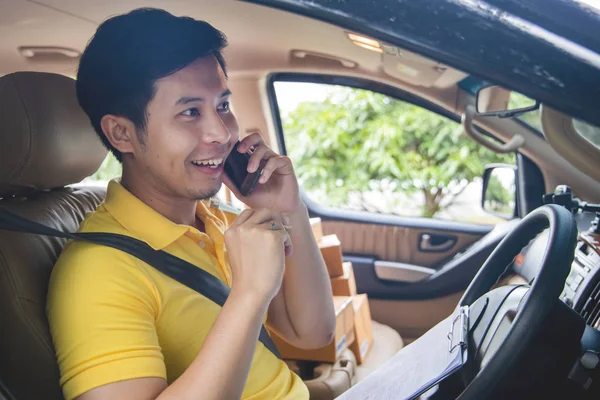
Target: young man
x=155, y=89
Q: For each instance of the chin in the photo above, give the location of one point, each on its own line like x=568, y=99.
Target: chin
x=205, y=193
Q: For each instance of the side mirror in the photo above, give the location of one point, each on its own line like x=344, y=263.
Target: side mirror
x=497, y=101
x=499, y=195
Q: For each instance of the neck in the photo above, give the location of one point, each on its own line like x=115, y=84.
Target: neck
x=179, y=210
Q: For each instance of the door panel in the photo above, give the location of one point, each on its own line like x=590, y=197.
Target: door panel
x=395, y=243
x=413, y=318
x=393, y=177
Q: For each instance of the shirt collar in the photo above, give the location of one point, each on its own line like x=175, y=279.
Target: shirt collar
x=142, y=220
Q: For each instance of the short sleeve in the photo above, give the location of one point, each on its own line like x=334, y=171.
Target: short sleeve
x=102, y=309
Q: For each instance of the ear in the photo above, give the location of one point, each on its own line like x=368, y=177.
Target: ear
x=121, y=133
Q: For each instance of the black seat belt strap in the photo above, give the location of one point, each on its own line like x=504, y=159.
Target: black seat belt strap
x=180, y=270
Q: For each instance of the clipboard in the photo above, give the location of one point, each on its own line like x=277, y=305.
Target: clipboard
x=457, y=350
x=420, y=366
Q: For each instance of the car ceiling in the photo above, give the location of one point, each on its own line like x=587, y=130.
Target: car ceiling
x=261, y=39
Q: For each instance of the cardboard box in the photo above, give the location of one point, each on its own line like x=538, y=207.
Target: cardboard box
x=317, y=228
x=344, y=285
x=331, y=249
x=362, y=328
x=344, y=336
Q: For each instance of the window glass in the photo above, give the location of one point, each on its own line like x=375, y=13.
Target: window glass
x=531, y=118
x=590, y=132
x=356, y=149
x=109, y=169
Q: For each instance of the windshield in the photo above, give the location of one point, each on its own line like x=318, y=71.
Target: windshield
x=591, y=133
x=532, y=119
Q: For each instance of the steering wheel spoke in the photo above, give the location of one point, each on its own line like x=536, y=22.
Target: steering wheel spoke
x=504, y=321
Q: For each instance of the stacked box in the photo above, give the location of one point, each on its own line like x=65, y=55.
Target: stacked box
x=344, y=285
x=331, y=249
x=363, y=332
x=353, y=316
x=344, y=336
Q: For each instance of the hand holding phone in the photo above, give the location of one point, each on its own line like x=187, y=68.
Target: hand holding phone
x=236, y=168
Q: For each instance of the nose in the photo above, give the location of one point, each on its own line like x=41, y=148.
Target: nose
x=215, y=130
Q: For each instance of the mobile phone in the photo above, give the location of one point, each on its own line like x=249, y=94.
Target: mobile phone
x=236, y=168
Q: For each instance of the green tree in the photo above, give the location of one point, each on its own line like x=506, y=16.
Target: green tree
x=499, y=198
x=357, y=140
x=110, y=168
x=531, y=118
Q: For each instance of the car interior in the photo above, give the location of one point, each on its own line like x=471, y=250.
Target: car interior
x=414, y=269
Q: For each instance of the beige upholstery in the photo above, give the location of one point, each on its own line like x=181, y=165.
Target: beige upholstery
x=392, y=243
x=386, y=343
x=46, y=142
x=26, y=352
x=331, y=380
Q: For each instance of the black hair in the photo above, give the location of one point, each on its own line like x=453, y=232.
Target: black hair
x=129, y=52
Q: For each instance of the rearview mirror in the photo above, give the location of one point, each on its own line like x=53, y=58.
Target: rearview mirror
x=500, y=190
x=497, y=101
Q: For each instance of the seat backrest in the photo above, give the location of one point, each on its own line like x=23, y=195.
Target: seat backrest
x=46, y=143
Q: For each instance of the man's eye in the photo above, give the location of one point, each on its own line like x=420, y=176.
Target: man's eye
x=192, y=112
x=224, y=107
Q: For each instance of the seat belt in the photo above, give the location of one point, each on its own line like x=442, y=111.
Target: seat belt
x=180, y=270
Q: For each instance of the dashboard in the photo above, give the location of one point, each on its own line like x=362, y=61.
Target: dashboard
x=582, y=286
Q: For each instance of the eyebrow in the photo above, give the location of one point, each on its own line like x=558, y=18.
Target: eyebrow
x=187, y=100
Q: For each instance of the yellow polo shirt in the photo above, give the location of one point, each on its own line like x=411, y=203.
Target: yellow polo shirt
x=114, y=317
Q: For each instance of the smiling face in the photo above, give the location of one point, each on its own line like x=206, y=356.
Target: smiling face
x=190, y=130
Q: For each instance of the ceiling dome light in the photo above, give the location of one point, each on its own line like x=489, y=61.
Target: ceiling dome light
x=365, y=42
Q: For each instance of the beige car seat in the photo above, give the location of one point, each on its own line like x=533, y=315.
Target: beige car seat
x=46, y=143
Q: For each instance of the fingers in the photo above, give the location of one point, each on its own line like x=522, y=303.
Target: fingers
x=282, y=230
x=262, y=152
x=271, y=221
x=252, y=140
x=243, y=217
x=264, y=215
x=273, y=164
x=287, y=243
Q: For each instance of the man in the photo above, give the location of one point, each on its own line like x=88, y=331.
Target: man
x=155, y=89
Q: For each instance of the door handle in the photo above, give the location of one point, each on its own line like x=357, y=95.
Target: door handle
x=431, y=243
x=401, y=272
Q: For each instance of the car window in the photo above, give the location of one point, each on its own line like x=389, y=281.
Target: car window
x=110, y=169
x=590, y=132
x=355, y=149
x=531, y=118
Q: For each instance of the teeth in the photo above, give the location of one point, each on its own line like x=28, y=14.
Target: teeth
x=210, y=163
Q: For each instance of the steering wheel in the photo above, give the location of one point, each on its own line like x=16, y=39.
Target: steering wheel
x=516, y=312
x=500, y=324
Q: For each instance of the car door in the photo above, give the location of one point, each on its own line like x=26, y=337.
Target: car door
x=394, y=178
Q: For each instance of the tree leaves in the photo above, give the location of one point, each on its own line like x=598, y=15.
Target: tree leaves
x=363, y=138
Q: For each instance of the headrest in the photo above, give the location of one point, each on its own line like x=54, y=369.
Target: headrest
x=46, y=140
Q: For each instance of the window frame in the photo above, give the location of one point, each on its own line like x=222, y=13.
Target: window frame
x=340, y=80
x=338, y=214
